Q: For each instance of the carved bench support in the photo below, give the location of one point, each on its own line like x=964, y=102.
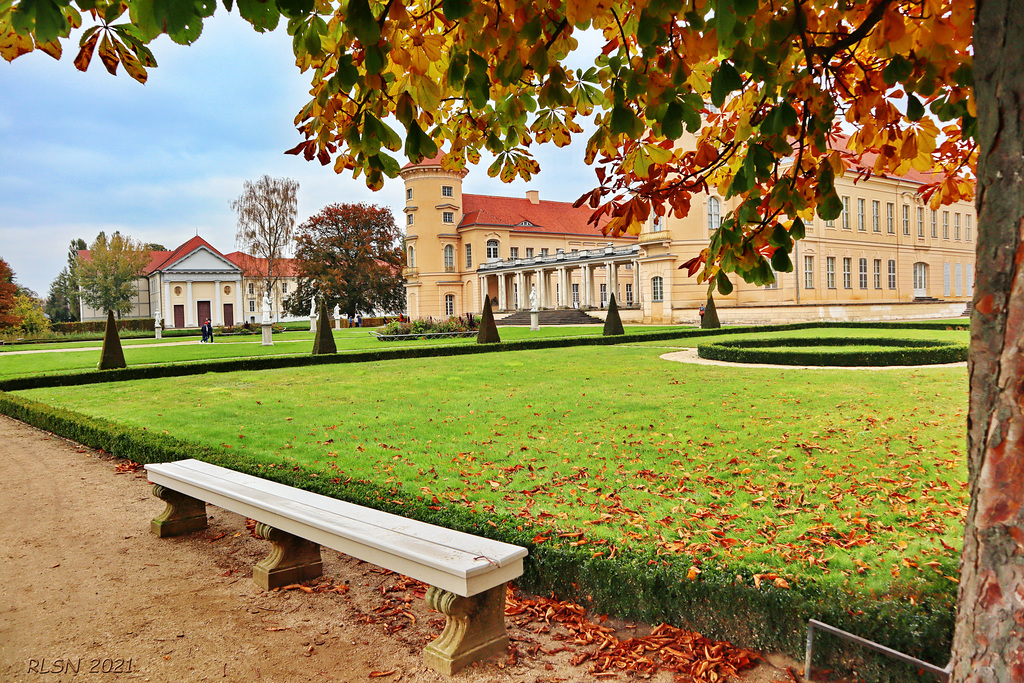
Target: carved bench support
x=182, y=515
x=475, y=629
x=292, y=559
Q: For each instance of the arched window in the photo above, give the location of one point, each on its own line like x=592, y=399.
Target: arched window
x=449, y=304
x=657, y=288
x=412, y=256
x=714, y=214
x=492, y=249
x=449, y=259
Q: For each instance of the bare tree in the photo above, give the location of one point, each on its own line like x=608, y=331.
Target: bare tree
x=266, y=222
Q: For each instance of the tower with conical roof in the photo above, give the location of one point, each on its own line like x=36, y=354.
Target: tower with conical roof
x=433, y=251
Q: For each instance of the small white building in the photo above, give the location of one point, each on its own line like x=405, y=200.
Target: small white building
x=195, y=281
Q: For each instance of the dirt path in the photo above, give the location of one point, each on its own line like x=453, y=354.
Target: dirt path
x=88, y=594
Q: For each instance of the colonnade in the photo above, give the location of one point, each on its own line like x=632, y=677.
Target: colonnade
x=562, y=285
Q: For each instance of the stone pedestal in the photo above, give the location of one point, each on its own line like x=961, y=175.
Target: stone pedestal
x=534, y=321
x=159, y=331
x=312, y=325
x=292, y=559
x=337, y=323
x=268, y=335
x=182, y=515
x=474, y=630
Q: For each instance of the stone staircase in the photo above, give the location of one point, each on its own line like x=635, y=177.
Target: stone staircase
x=561, y=316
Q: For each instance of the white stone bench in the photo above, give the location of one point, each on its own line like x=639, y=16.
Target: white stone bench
x=467, y=574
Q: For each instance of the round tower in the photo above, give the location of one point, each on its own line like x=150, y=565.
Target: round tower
x=433, y=252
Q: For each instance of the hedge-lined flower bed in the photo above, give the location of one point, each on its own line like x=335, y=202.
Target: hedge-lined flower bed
x=724, y=602
x=793, y=351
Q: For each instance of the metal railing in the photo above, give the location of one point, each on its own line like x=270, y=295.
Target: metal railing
x=941, y=673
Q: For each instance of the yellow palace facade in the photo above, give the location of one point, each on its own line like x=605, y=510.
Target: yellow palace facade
x=888, y=256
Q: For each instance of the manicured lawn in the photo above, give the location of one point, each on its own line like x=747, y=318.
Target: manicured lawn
x=851, y=476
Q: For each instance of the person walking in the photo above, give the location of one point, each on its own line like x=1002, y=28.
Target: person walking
x=207, y=331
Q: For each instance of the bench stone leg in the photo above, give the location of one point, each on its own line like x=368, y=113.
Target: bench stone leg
x=292, y=559
x=475, y=629
x=182, y=515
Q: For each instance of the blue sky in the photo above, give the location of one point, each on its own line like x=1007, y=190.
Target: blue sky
x=81, y=153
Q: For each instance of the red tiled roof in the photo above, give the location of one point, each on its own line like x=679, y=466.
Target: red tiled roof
x=545, y=216
x=256, y=266
x=180, y=253
x=867, y=163
x=432, y=161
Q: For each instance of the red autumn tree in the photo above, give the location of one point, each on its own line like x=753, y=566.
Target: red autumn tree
x=8, y=292
x=351, y=255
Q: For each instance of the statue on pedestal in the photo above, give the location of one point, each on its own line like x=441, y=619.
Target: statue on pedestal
x=266, y=307
x=533, y=297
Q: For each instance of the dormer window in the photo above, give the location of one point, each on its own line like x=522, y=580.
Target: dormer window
x=527, y=224
x=446, y=191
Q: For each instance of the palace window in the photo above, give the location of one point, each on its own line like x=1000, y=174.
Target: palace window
x=604, y=295
x=252, y=289
x=892, y=274
x=862, y=272
x=935, y=230
x=409, y=219
x=714, y=214
x=629, y=293
x=830, y=272
x=658, y=288
x=876, y=225
x=956, y=227
x=408, y=193
x=411, y=260
x=449, y=259
x=446, y=191
x=469, y=256
x=448, y=216
x=846, y=213
x=878, y=273
x=808, y=272
x=449, y=304
x=544, y=251
x=513, y=252
x=847, y=273
x=920, y=221
x=492, y=249
x=906, y=219
x=529, y=252
x=284, y=287
x=945, y=226
x=252, y=305
x=860, y=215
x=967, y=228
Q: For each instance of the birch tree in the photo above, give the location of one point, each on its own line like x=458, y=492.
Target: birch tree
x=266, y=212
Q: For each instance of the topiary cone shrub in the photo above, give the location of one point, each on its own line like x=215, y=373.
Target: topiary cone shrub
x=323, y=342
x=612, y=322
x=112, y=355
x=710, y=320
x=488, y=333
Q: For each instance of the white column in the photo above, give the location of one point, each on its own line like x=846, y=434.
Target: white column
x=167, y=310
x=636, y=282
x=520, y=286
x=190, y=306
x=666, y=307
x=613, y=282
x=483, y=291
x=218, y=309
x=502, y=293
x=541, y=289
x=239, y=312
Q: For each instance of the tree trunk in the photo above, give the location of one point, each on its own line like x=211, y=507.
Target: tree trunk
x=989, y=642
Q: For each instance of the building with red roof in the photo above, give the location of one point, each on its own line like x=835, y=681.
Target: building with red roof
x=889, y=256
x=195, y=282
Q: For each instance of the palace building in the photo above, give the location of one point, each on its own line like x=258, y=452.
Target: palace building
x=888, y=256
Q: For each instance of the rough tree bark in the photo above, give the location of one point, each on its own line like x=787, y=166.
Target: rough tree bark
x=989, y=642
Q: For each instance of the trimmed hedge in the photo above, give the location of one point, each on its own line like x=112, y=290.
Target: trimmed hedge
x=780, y=352
x=135, y=324
x=636, y=585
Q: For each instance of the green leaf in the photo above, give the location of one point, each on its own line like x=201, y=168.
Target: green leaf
x=780, y=237
x=725, y=22
x=915, y=110
x=831, y=207
x=672, y=121
x=456, y=9
x=43, y=18
x=779, y=118
x=624, y=121
x=798, y=230
x=418, y=144
x=724, y=286
x=262, y=14
x=897, y=70
x=725, y=80
x=781, y=262
x=295, y=8
x=360, y=20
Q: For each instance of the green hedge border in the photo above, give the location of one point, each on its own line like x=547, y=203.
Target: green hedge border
x=778, y=352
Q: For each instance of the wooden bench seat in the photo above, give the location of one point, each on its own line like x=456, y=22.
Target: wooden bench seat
x=467, y=574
